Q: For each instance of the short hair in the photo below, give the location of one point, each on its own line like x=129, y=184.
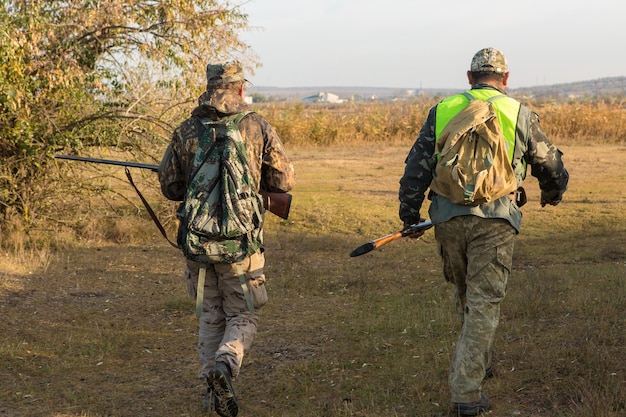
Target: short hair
x=481, y=76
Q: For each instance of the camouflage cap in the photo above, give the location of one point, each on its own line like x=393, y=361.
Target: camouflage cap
x=489, y=60
x=219, y=74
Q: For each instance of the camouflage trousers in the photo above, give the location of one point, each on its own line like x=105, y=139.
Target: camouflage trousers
x=477, y=257
x=227, y=327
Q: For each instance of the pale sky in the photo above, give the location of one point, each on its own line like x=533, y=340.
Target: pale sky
x=429, y=44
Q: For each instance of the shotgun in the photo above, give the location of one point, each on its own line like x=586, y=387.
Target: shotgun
x=377, y=243
x=276, y=203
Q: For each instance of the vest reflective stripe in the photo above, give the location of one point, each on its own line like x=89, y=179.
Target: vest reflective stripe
x=506, y=108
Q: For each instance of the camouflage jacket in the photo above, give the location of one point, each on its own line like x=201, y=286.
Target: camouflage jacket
x=532, y=147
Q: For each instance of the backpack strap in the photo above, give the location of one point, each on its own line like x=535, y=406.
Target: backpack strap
x=203, y=138
x=200, y=290
x=494, y=98
x=489, y=100
x=236, y=120
x=241, y=115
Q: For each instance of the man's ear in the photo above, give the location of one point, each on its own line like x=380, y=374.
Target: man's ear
x=469, y=78
x=505, y=80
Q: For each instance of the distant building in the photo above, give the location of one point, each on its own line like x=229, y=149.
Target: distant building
x=323, y=97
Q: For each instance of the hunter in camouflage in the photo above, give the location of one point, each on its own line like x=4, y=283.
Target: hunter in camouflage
x=476, y=242
x=227, y=324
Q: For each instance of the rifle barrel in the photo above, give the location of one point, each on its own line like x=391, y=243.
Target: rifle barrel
x=151, y=167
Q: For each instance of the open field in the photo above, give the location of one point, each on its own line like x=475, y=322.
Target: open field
x=99, y=329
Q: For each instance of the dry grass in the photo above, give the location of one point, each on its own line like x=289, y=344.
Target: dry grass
x=105, y=329
x=95, y=203
x=575, y=122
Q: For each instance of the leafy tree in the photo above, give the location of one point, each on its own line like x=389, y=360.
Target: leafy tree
x=79, y=73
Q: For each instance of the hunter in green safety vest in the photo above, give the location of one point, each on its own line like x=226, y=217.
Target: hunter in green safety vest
x=476, y=242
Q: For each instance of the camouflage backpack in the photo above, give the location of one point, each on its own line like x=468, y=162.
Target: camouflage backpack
x=473, y=166
x=222, y=214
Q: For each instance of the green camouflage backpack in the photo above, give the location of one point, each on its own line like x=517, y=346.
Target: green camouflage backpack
x=222, y=214
x=473, y=166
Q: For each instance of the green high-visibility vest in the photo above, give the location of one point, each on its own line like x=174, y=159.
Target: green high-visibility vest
x=507, y=110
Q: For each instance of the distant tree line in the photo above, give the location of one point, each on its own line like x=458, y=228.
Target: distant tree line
x=612, y=87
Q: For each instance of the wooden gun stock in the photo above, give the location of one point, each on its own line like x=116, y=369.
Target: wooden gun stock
x=277, y=203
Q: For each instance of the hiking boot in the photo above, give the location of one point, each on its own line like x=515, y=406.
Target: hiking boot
x=473, y=408
x=219, y=380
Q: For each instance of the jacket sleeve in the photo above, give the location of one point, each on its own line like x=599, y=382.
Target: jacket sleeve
x=418, y=172
x=276, y=171
x=546, y=163
x=171, y=174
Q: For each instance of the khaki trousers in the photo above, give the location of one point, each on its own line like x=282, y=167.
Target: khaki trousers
x=477, y=257
x=226, y=326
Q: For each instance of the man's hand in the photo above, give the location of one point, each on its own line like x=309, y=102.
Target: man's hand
x=552, y=198
x=552, y=203
x=417, y=234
